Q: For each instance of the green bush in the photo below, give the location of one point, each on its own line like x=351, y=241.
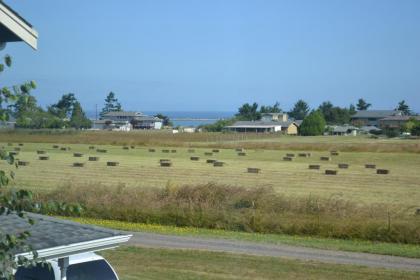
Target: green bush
x=313, y=124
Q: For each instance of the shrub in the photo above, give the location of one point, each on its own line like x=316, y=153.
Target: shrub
x=313, y=124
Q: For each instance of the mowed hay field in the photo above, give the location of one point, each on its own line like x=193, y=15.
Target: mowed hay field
x=140, y=168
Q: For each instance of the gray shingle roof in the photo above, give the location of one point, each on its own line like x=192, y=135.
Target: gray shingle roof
x=49, y=232
x=123, y=114
x=377, y=114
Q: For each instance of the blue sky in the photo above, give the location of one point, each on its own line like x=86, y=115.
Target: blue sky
x=215, y=55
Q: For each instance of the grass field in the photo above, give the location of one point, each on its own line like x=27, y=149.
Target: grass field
x=179, y=264
x=140, y=168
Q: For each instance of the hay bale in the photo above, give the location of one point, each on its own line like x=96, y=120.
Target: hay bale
x=165, y=163
x=331, y=172
x=44, y=158
x=343, y=165
x=195, y=158
x=253, y=170
x=304, y=154
x=191, y=150
x=40, y=152
x=165, y=151
x=77, y=154
x=290, y=155
x=13, y=153
x=20, y=144
x=78, y=164
x=287, y=158
x=17, y=149
x=239, y=150
x=63, y=149
x=101, y=151
x=55, y=146
x=211, y=161
x=126, y=148
x=218, y=163
x=132, y=147
x=23, y=163
x=93, y=158
x=325, y=158
x=112, y=163
x=152, y=150
x=334, y=153
x=370, y=166
x=173, y=151
x=91, y=147
x=417, y=211
x=208, y=154
x=314, y=166
x=242, y=154
x=382, y=171
x=215, y=150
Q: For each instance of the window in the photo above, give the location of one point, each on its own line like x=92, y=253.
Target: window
x=40, y=272
x=94, y=270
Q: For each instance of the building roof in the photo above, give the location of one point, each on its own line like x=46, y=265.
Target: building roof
x=14, y=28
x=369, y=128
x=147, y=118
x=261, y=124
x=53, y=238
x=343, y=128
x=400, y=118
x=123, y=114
x=376, y=114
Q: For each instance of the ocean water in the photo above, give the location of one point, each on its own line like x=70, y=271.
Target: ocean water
x=194, y=118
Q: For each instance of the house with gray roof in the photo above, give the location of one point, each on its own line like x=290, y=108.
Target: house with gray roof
x=372, y=117
x=127, y=120
x=396, y=122
x=269, y=123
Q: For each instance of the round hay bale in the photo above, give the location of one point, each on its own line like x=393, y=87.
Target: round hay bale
x=290, y=155
x=331, y=172
x=132, y=147
x=215, y=150
x=195, y=158
x=325, y=158
x=218, y=163
x=44, y=157
x=23, y=163
x=152, y=150
x=208, y=154
x=112, y=163
x=242, y=154
x=101, y=151
x=77, y=154
x=55, y=146
x=40, y=152
x=287, y=158
x=314, y=166
x=93, y=158
x=382, y=171
x=78, y=164
x=253, y=170
x=343, y=165
x=211, y=161
x=191, y=150
x=91, y=147
x=370, y=166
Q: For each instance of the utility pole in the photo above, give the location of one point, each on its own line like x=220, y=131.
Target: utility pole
x=96, y=111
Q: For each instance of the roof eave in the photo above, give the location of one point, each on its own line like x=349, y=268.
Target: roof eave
x=18, y=26
x=78, y=248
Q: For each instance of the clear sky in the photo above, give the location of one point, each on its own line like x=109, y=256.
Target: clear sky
x=214, y=55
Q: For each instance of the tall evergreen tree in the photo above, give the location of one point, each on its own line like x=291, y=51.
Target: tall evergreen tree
x=362, y=105
x=111, y=104
x=270, y=109
x=248, y=112
x=78, y=117
x=300, y=110
x=64, y=107
x=404, y=108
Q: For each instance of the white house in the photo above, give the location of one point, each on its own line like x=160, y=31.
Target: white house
x=122, y=119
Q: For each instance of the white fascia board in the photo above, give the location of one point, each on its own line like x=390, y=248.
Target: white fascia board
x=77, y=248
x=18, y=27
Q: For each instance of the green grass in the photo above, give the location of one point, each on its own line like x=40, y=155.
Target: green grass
x=139, y=263
x=139, y=168
x=402, y=250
